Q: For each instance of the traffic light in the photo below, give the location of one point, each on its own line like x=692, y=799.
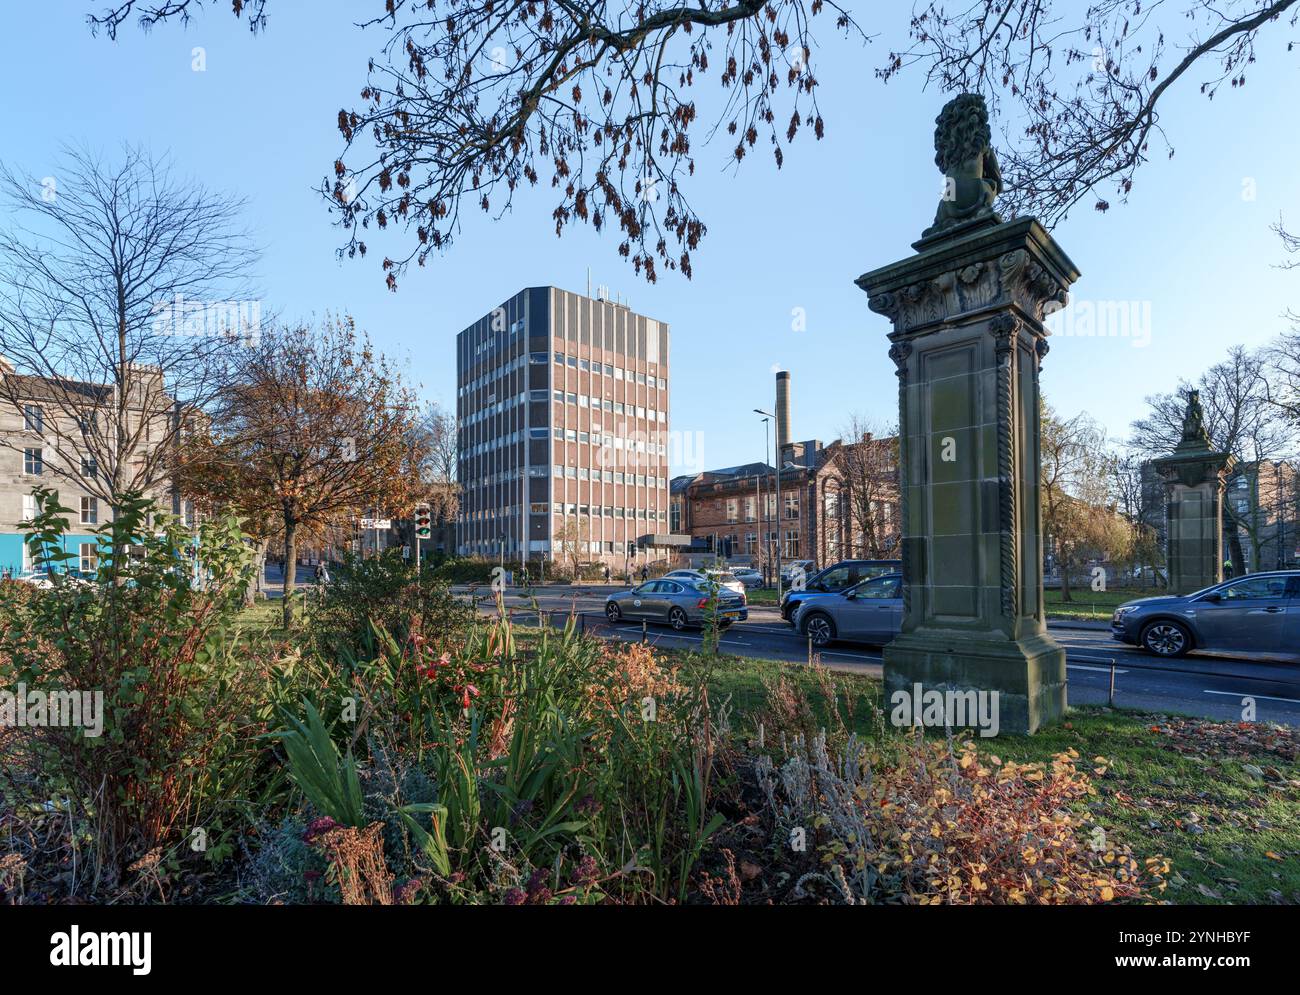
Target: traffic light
x=423, y=526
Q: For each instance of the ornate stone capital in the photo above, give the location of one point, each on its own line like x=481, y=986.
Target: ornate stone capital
x=1005, y=329
x=899, y=352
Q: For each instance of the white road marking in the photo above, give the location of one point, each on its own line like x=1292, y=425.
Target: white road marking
x=1247, y=694
x=1098, y=670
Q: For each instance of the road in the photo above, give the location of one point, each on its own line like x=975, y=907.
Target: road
x=1198, y=684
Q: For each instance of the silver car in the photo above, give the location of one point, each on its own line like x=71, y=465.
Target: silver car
x=869, y=612
x=701, y=579
x=1257, y=613
x=675, y=602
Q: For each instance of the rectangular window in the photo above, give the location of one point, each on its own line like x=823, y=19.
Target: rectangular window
x=791, y=544
x=33, y=462
x=29, y=507
x=89, y=511
x=792, y=506
x=33, y=418
x=537, y=433
x=89, y=468
x=537, y=358
x=89, y=559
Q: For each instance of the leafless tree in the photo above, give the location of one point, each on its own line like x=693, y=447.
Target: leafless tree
x=867, y=466
x=124, y=296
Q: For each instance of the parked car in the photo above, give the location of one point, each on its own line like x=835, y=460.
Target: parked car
x=704, y=577
x=1257, y=613
x=835, y=578
x=747, y=576
x=868, y=612
x=788, y=570
x=676, y=602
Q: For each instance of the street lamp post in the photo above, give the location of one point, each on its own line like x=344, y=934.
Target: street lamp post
x=776, y=513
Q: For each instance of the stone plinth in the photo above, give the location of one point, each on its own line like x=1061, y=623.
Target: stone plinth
x=968, y=341
x=1194, y=477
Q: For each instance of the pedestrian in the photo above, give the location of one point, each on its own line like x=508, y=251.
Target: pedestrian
x=606, y=573
x=322, y=573
x=645, y=573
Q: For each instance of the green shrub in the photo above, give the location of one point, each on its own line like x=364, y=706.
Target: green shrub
x=384, y=592
x=149, y=638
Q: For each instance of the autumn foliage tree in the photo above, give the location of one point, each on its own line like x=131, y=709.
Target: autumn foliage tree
x=315, y=429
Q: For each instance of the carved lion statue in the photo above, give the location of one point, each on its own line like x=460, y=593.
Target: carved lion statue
x=963, y=150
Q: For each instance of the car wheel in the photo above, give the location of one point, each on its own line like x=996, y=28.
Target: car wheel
x=820, y=628
x=613, y=612
x=677, y=619
x=1166, y=638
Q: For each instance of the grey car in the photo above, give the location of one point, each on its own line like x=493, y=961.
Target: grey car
x=869, y=612
x=677, y=603
x=1257, y=613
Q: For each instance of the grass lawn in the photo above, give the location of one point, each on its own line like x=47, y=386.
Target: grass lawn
x=1085, y=604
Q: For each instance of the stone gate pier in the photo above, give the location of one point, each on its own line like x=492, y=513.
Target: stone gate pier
x=968, y=341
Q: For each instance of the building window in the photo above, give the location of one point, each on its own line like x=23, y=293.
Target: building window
x=29, y=507
x=89, y=559
x=33, y=418
x=792, y=506
x=33, y=462
x=733, y=510
x=89, y=468
x=791, y=551
x=89, y=511
x=751, y=543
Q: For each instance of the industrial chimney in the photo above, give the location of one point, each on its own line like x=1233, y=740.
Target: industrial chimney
x=782, y=415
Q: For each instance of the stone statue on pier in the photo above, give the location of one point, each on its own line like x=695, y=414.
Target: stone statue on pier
x=964, y=151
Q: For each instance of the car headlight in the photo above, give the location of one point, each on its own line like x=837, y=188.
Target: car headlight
x=1123, y=610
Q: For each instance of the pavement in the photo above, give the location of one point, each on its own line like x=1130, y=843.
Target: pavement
x=1200, y=684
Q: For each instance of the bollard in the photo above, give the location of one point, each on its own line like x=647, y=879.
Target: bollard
x=644, y=630
x=582, y=623
x=810, y=652
x=1112, y=683
x=541, y=624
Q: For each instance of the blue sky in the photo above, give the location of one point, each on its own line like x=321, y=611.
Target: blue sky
x=259, y=121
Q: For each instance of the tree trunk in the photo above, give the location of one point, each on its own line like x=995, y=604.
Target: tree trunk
x=1065, y=575
x=259, y=572
x=1235, y=553
x=290, y=569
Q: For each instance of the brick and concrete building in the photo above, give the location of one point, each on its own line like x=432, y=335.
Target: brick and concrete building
x=837, y=501
x=562, y=411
